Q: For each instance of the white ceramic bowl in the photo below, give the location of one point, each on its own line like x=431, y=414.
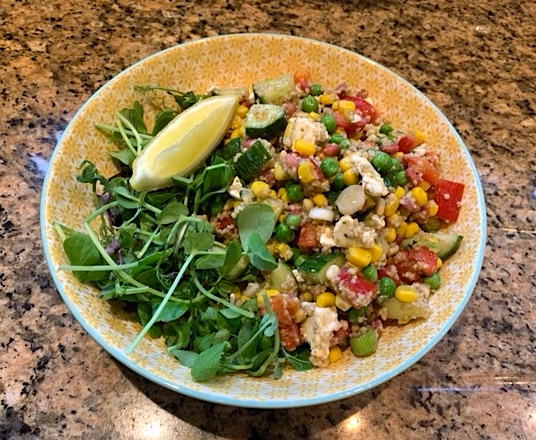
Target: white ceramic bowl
x=238, y=60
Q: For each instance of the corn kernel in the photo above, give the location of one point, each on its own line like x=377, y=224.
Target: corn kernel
x=399, y=192
x=401, y=230
x=342, y=303
x=424, y=185
x=349, y=177
x=419, y=195
x=308, y=204
x=237, y=122
x=282, y=218
x=284, y=198
x=439, y=263
x=420, y=136
x=261, y=190
x=281, y=192
x=237, y=203
x=299, y=316
x=432, y=208
x=315, y=116
x=325, y=299
x=327, y=98
x=320, y=200
x=399, y=155
x=394, y=220
x=335, y=354
x=304, y=148
x=305, y=172
x=306, y=296
x=391, y=205
x=280, y=173
x=345, y=163
x=237, y=132
x=273, y=194
x=376, y=253
x=411, y=230
x=284, y=250
x=359, y=256
x=242, y=111
x=344, y=105
x=405, y=293
x=389, y=234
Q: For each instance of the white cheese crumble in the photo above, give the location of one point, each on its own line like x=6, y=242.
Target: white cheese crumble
x=305, y=129
x=372, y=181
x=318, y=331
x=351, y=232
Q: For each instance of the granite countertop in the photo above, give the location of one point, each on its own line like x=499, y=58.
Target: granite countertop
x=475, y=60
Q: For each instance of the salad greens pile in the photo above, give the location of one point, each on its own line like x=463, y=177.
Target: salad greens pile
x=156, y=253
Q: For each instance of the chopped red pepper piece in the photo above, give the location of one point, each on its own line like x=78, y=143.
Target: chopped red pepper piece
x=407, y=142
x=448, y=199
x=422, y=167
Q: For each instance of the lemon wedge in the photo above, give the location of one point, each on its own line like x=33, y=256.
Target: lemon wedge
x=184, y=143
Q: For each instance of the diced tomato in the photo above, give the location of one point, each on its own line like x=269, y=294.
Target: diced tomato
x=390, y=149
x=289, y=336
x=225, y=223
x=407, y=142
x=285, y=307
x=357, y=283
x=363, y=107
x=411, y=265
x=347, y=126
x=422, y=167
x=301, y=78
x=307, y=238
x=448, y=198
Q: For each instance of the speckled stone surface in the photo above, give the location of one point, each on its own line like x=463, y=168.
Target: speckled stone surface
x=476, y=60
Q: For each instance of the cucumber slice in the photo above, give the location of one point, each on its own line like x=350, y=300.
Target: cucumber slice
x=404, y=312
x=275, y=91
x=313, y=268
x=252, y=160
x=444, y=244
x=265, y=121
x=282, y=279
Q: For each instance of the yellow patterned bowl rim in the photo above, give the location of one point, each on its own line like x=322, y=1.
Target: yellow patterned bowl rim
x=233, y=61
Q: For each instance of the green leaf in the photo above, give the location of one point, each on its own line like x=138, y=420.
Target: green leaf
x=124, y=156
x=198, y=241
x=245, y=334
x=207, y=364
x=259, y=255
x=202, y=343
x=255, y=218
x=162, y=119
x=171, y=311
x=145, y=313
x=299, y=359
x=232, y=257
x=81, y=251
x=212, y=261
x=185, y=357
x=123, y=195
x=172, y=212
x=221, y=335
x=135, y=117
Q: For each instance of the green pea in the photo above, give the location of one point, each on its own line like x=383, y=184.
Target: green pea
x=338, y=182
x=295, y=192
x=216, y=207
x=293, y=221
x=345, y=144
x=284, y=234
x=329, y=122
x=387, y=287
x=316, y=89
x=355, y=314
x=309, y=104
x=329, y=166
x=382, y=161
x=395, y=164
x=370, y=273
x=401, y=178
x=434, y=281
x=336, y=138
x=386, y=129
